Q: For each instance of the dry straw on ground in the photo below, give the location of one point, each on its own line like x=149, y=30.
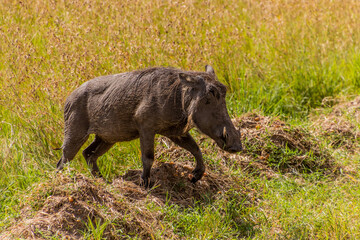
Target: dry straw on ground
x=72, y=203
x=65, y=205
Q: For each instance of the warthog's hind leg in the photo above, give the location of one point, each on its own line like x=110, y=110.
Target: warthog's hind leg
x=147, y=155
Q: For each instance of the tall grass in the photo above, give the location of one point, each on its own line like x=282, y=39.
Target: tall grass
x=279, y=57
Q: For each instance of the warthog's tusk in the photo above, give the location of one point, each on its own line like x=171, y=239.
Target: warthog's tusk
x=224, y=132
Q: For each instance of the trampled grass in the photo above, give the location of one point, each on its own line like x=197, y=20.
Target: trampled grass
x=278, y=58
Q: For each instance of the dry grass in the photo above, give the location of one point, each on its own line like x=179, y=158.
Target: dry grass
x=48, y=54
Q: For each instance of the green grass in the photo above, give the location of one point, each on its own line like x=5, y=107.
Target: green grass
x=223, y=219
x=278, y=58
x=95, y=230
x=311, y=209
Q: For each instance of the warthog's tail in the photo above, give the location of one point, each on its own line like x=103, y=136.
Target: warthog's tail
x=59, y=148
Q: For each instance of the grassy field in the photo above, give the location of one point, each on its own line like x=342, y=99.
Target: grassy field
x=293, y=73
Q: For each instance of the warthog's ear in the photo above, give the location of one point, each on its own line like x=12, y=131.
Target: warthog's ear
x=190, y=81
x=209, y=69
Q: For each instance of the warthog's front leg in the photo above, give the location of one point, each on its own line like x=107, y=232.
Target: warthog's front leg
x=188, y=143
x=95, y=150
x=147, y=155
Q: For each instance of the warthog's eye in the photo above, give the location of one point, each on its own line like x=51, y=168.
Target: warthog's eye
x=214, y=93
x=212, y=90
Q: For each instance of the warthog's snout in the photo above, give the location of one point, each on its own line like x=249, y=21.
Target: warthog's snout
x=229, y=140
x=234, y=149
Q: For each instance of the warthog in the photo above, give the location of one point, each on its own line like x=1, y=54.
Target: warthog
x=140, y=104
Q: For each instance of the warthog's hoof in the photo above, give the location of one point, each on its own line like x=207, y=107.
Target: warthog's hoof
x=194, y=180
x=146, y=183
x=197, y=175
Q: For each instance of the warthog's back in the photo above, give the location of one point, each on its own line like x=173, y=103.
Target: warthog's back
x=116, y=104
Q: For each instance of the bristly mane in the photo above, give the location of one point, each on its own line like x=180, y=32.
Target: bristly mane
x=172, y=88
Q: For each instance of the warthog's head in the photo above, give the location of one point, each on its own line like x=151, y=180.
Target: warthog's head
x=207, y=109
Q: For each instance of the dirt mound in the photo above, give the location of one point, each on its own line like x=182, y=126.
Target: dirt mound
x=171, y=183
x=340, y=125
x=68, y=206
x=74, y=204
x=272, y=144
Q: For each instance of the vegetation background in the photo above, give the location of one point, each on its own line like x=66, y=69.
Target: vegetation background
x=285, y=59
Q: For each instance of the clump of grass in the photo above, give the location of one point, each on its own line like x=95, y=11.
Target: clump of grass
x=95, y=230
